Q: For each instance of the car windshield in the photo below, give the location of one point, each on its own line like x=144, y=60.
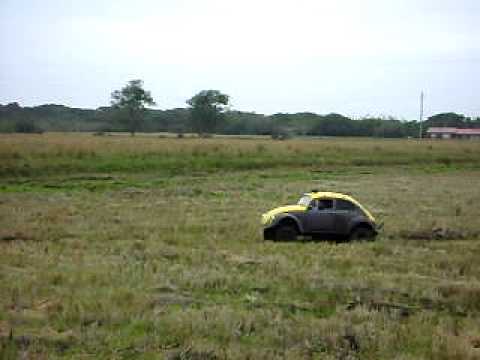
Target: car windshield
x=304, y=200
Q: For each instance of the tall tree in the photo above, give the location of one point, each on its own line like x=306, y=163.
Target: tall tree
x=207, y=110
x=131, y=100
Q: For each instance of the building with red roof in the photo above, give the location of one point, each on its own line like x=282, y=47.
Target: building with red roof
x=452, y=133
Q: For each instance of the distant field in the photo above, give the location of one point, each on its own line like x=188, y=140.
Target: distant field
x=150, y=247
x=56, y=153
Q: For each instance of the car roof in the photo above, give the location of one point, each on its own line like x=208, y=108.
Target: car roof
x=330, y=195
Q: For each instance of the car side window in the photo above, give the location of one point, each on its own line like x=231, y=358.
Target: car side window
x=325, y=204
x=345, y=205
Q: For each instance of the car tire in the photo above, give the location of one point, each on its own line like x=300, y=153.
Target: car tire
x=362, y=233
x=286, y=233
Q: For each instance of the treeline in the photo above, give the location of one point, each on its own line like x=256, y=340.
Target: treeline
x=15, y=118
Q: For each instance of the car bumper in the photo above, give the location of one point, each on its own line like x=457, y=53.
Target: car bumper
x=268, y=233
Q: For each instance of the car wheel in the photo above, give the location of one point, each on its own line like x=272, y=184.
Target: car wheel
x=362, y=233
x=286, y=233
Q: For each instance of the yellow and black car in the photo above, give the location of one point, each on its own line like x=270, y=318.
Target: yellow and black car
x=320, y=214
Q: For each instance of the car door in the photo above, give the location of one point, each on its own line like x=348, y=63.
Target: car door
x=320, y=217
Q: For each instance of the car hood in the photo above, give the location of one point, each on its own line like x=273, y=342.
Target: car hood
x=269, y=215
x=285, y=209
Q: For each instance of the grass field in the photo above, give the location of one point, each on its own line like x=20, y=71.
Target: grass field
x=147, y=247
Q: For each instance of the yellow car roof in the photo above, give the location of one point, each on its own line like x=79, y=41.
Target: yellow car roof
x=328, y=194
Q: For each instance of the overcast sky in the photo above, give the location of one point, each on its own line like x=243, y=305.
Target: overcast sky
x=354, y=57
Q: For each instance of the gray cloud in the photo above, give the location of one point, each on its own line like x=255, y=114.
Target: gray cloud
x=352, y=57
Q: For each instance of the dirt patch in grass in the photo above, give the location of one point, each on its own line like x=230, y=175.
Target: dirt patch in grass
x=401, y=310
x=13, y=343
x=239, y=260
x=7, y=236
x=439, y=233
x=463, y=298
x=191, y=354
x=167, y=295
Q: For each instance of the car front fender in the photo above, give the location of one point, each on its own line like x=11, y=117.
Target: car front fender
x=290, y=217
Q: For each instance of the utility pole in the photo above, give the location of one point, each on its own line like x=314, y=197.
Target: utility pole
x=421, y=115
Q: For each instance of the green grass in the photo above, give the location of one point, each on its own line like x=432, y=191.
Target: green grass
x=40, y=155
x=171, y=264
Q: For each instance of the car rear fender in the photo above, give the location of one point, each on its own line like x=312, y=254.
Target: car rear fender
x=361, y=221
